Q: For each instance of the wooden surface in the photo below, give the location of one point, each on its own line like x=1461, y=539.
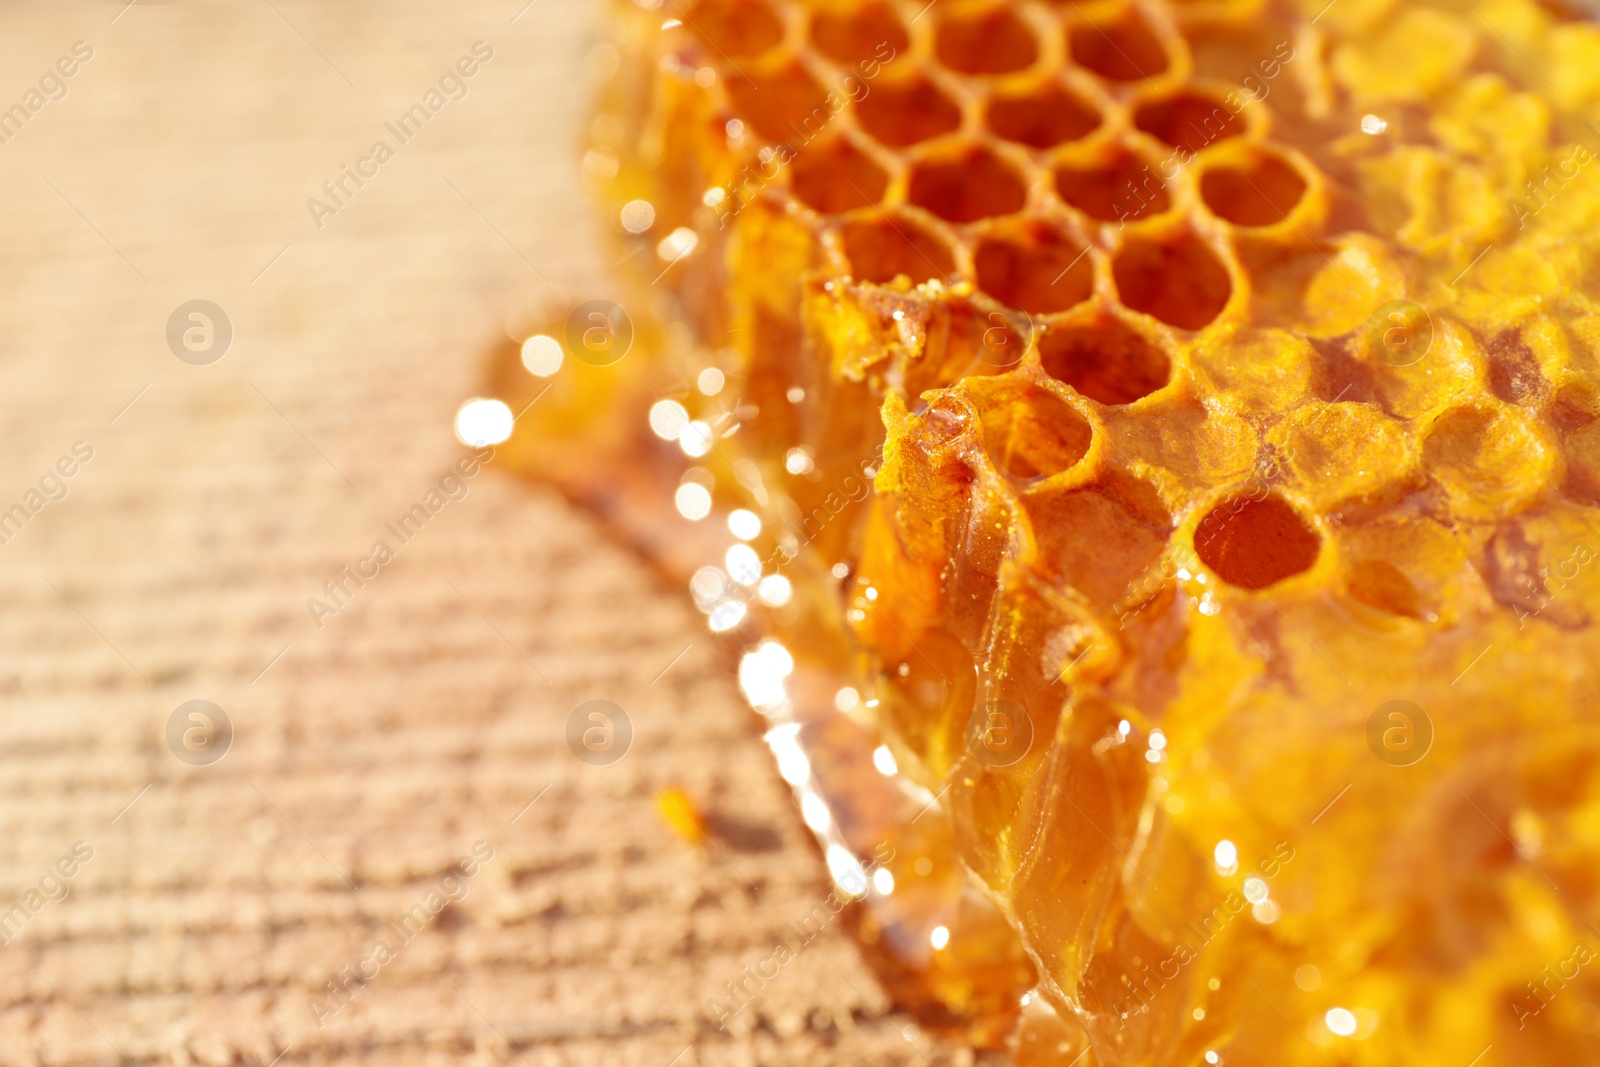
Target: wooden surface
x=370, y=754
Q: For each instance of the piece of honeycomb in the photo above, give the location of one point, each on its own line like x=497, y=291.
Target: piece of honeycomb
x=1150, y=453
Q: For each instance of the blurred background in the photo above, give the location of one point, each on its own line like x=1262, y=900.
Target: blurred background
x=182, y=483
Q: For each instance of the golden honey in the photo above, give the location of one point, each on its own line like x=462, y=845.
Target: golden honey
x=1149, y=453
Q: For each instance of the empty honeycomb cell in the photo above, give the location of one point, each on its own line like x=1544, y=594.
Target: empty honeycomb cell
x=1253, y=543
x=1035, y=269
x=783, y=105
x=1188, y=119
x=738, y=29
x=1045, y=117
x=1259, y=189
x=976, y=184
x=995, y=41
x=859, y=35
x=1178, y=280
x=1031, y=433
x=881, y=248
x=836, y=176
x=1117, y=186
x=1106, y=360
x=907, y=111
x=997, y=339
x=1123, y=49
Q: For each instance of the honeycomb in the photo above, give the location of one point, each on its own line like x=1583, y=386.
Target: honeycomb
x=1150, y=455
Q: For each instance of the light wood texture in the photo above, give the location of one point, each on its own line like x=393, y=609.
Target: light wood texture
x=430, y=710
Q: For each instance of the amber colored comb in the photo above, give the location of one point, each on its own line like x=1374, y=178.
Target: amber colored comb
x=1148, y=455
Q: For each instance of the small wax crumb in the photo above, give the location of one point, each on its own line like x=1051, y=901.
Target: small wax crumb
x=681, y=815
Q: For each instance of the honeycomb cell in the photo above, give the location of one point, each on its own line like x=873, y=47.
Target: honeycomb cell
x=784, y=105
x=1514, y=374
x=1043, y=118
x=976, y=184
x=1032, y=433
x=1583, y=463
x=1488, y=460
x=836, y=176
x=1122, y=517
x=1123, y=49
x=1188, y=119
x=1105, y=359
x=737, y=29
x=1259, y=189
x=996, y=41
x=1034, y=269
x=907, y=111
x=1380, y=584
x=998, y=339
x=1334, y=453
x=859, y=36
x=1177, y=279
x=1253, y=543
x=1542, y=566
x=882, y=247
x=1116, y=187
x=1405, y=567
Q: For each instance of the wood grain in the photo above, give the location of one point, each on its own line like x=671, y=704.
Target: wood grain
x=372, y=752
